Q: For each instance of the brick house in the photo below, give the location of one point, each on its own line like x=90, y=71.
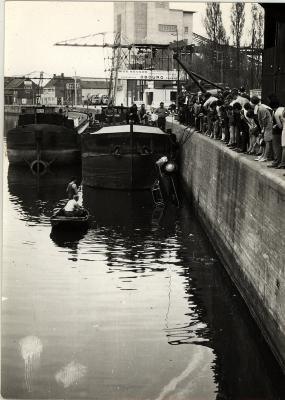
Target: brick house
x=20, y=91
x=60, y=90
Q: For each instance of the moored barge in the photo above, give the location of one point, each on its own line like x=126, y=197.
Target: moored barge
x=44, y=136
x=123, y=156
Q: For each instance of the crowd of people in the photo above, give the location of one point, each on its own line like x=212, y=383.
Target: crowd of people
x=243, y=123
x=142, y=116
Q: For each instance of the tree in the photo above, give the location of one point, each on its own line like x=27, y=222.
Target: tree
x=214, y=51
x=237, y=25
x=256, y=32
x=214, y=24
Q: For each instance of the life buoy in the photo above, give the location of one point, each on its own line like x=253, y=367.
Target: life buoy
x=38, y=167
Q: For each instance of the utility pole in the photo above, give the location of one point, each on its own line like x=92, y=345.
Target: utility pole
x=75, y=90
x=178, y=70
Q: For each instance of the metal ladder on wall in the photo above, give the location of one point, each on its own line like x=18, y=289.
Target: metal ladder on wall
x=157, y=194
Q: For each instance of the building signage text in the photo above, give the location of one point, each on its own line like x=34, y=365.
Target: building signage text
x=70, y=86
x=148, y=75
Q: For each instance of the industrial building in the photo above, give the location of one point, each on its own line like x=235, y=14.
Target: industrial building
x=152, y=22
x=154, y=25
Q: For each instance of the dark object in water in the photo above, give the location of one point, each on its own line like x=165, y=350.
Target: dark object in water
x=60, y=220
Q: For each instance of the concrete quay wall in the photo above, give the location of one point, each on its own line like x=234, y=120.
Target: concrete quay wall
x=241, y=204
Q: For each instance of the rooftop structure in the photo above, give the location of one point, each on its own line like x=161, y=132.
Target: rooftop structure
x=152, y=22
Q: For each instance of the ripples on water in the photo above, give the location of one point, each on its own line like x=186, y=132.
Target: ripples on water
x=136, y=306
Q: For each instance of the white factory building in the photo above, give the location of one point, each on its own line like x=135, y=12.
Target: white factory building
x=153, y=23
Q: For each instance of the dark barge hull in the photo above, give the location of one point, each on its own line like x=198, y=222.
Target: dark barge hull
x=56, y=144
x=123, y=157
x=46, y=135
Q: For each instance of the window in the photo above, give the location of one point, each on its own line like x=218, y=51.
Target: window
x=167, y=28
x=186, y=30
x=173, y=96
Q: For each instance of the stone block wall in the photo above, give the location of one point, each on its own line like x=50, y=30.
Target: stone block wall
x=241, y=204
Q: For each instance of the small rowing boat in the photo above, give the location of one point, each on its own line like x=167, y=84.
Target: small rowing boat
x=60, y=220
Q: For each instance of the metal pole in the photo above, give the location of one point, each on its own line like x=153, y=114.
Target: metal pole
x=132, y=145
x=75, y=91
x=194, y=75
x=178, y=70
x=190, y=73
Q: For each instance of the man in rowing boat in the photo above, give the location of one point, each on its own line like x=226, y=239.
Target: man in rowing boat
x=72, y=188
x=72, y=208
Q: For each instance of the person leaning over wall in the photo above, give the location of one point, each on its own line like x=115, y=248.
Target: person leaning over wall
x=196, y=113
x=218, y=122
x=253, y=128
x=231, y=121
x=237, y=125
x=266, y=125
x=212, y=119
x=224, y=124
x=243, y=133
x=209, y=99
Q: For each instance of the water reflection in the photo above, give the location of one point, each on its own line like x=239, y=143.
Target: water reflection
x=10, y=122
x=35, y=197
x=136, y=307
x=219, y=307
x=69, y=240
x=138, y=238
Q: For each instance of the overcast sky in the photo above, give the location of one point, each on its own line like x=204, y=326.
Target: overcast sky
x=32, y=28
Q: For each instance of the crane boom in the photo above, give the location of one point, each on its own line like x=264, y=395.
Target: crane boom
x=194, y=75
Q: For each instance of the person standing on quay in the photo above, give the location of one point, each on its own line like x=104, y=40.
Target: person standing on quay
x=282, y=164
x=162, y=114
x=72, y=188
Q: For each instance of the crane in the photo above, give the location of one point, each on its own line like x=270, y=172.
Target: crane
x=118, y=57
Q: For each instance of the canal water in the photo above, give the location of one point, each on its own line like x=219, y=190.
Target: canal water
x=136, y=307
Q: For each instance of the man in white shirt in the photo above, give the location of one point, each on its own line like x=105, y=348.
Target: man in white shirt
x=72, y=208
x=209, y=100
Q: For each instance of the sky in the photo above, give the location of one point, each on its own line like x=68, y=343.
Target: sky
x=32, y=28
